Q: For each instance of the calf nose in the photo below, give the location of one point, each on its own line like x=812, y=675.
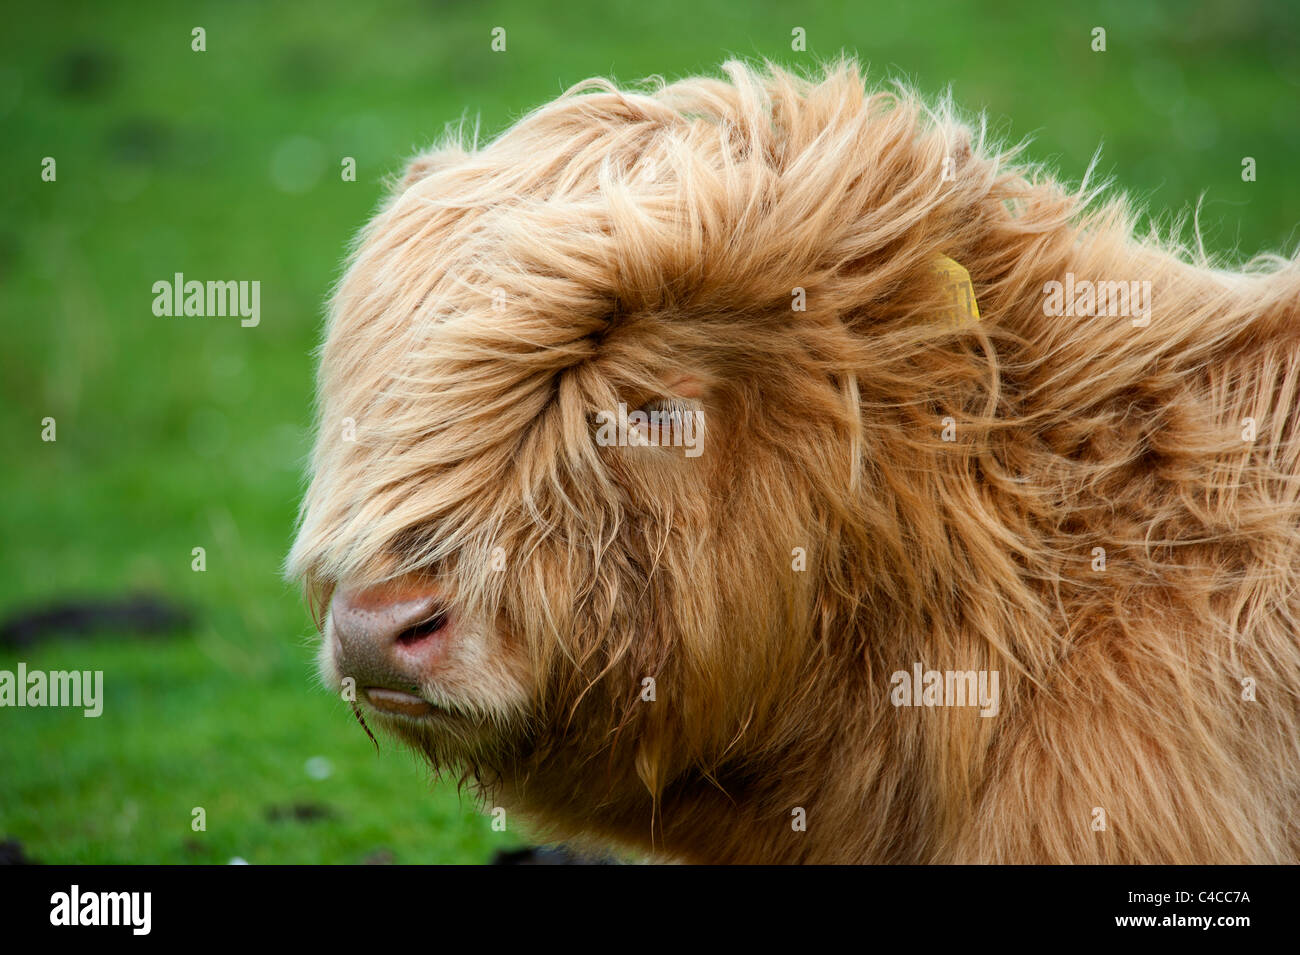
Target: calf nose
x=389, y=637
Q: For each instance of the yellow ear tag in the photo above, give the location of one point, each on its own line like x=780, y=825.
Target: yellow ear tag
x=962, y=308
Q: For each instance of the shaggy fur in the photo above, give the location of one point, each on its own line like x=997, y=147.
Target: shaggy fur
x=636, y=246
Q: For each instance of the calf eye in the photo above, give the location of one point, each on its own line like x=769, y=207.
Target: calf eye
x=659, y=422
x=668, y=423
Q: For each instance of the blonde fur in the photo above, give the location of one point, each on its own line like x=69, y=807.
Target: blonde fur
x=613, y=240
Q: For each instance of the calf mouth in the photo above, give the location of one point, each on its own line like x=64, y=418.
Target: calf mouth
x=397, y=702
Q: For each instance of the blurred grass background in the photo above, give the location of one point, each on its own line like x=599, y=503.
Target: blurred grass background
x=179, y=433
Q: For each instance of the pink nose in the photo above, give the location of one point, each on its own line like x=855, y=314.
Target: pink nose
x=390, y=640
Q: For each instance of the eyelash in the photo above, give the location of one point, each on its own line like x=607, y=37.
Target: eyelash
x=673, y=410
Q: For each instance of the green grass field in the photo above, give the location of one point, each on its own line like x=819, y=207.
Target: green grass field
x=177, y=433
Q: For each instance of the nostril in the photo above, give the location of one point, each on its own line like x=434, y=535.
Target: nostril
x=376, y=620
x=423, y=630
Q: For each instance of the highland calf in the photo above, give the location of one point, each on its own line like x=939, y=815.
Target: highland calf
x=1094, y=517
